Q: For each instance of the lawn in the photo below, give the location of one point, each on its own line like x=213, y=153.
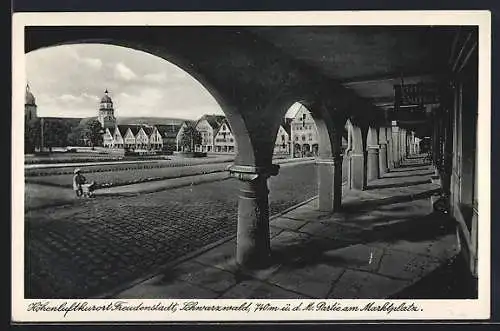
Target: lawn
x=134, y=174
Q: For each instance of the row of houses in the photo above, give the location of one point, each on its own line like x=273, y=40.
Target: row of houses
x=217, y=136
x=296, y=136
x=141, y=137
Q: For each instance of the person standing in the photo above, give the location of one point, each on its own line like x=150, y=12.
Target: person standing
x=78, y=181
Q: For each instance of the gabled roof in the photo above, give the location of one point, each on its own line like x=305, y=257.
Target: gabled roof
x=286, y=124
x=123, y=129
x=220, y=126
x=169, y=131
x=215, y=121
x=148, y=129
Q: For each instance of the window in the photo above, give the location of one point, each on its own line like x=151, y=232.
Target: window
x=303, y=138
x=296, y=138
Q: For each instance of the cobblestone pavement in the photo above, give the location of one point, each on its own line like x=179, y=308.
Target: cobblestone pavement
x=82, y=250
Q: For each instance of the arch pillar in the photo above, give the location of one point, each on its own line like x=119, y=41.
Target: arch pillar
x=329, y=162
x=255, y=134
x=252, y=239
x=372, y=154
x=402, y=144
x=390, y=149
x=396, y=144
x=357, y=160
x=382, y=151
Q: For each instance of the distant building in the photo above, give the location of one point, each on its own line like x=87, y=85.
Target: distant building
x=168, y=134
x=224, y=141
x=128, y=132
x=106, y=114
x=180, y=135
x=108, y=139
x=30, y=108
x=304, y=134
x=282, y=143
x=208, y=125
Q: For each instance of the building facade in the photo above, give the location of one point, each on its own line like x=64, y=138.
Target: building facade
x=282, y=144
x=207, y=126
x=106, y=114
x=30, y=108
x=224, y=141
x=304, y=134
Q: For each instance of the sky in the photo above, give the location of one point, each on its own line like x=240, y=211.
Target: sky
x=69, y=81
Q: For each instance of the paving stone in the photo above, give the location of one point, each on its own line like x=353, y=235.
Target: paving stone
x=289, y=239
x=360, y=257
x=287, y=223
x=312, y=280
x=330, y=230
x=159, y=289
x=209, y=277
x=406, y=265
x=255, y=289
x=221, y=257
x=274, y=231
x=364, y=285
x=442, y=248
x=306, y=213
x=146, y=231
x=261, y=274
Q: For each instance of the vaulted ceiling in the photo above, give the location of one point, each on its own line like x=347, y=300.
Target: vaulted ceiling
x=367, y=60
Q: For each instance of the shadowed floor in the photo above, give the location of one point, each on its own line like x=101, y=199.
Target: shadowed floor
x=384, y=243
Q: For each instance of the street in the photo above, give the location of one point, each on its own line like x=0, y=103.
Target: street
x=83, y=249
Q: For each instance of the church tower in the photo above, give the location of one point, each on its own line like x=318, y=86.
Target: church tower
x=29, y=105
x=106, y=115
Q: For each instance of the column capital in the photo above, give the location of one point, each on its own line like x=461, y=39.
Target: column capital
x=331, y=160
x=250, y=173
x=373, y=147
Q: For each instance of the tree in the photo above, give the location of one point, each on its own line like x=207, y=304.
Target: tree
x=93, y=133
x=190, y=138
x=75, y=136
x=32, y=135
x=55, y=133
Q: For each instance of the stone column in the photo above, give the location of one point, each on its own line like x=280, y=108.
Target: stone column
x=382, y=157
x=395, y=144
x=330, y=183
x=390, y=149
x=402, y=145
x=357, y=173
x=412, y=144
x=373, y=155
x=253, y=246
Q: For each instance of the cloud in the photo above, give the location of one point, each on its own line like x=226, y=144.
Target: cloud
x=94, y=63
x=69, y=98
x=90, y=96
x=160, y=77
x=69, y=81
x=123, y=72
